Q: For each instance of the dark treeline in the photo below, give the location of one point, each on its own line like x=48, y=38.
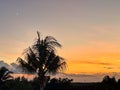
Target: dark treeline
x=60, y=84
x=21, y=83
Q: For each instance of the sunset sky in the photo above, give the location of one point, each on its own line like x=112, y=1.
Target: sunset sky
x=89, y=31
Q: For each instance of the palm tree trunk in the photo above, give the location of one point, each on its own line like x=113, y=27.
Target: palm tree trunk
x=41, y=87
x=43, y=82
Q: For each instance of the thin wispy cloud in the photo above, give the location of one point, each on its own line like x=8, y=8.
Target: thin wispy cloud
x=101, y=63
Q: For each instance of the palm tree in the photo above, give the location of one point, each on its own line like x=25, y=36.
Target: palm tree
x=42, y=59
x=4, y=75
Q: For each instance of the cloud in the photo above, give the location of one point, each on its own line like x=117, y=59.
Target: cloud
x=85, y=77
x=109, y=67
x=81, y=77
x=78, y=75
x=12, y=67
x=100, y=63
x=3, y=64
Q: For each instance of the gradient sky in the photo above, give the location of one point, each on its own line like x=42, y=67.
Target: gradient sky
x=89, y=31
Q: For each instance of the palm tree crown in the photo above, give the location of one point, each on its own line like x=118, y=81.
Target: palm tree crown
x=41, y=58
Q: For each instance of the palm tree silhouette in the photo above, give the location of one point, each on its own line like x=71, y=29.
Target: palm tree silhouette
x=41, y=58
x=4, y=75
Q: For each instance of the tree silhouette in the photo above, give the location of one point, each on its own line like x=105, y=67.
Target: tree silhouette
x=4, y=75
x=42, y=59
x=109, y=83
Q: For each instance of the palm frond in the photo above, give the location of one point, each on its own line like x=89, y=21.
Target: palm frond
x=7, y=77
x=5, y=74
x=31, y=58
x=50, y=42
x=55, y=63
x=25, y=66
x=3, y=70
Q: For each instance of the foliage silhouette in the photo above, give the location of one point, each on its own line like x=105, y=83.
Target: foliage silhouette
x=19, y=83
x=59, y=84
x=109, y=83
x=22, y=83
x=41, y=59
x=4, y=76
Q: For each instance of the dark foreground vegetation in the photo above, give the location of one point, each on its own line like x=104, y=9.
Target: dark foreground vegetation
x=60, y=84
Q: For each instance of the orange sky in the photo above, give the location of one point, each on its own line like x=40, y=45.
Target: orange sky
x=89, y=31
x=96, y=58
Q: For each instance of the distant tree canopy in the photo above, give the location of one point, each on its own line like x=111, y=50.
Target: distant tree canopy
x=41, y=58
x=107, y=79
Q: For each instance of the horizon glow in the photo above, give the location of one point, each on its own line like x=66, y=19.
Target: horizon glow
x=88, y=30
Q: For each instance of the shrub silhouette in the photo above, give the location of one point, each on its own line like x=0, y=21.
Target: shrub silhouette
x=109, y=83
x=4, y=76
x=59, y=84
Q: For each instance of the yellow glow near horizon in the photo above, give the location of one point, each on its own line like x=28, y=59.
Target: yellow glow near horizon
x=88, y=30
x=83, y=59
x=92, y=60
